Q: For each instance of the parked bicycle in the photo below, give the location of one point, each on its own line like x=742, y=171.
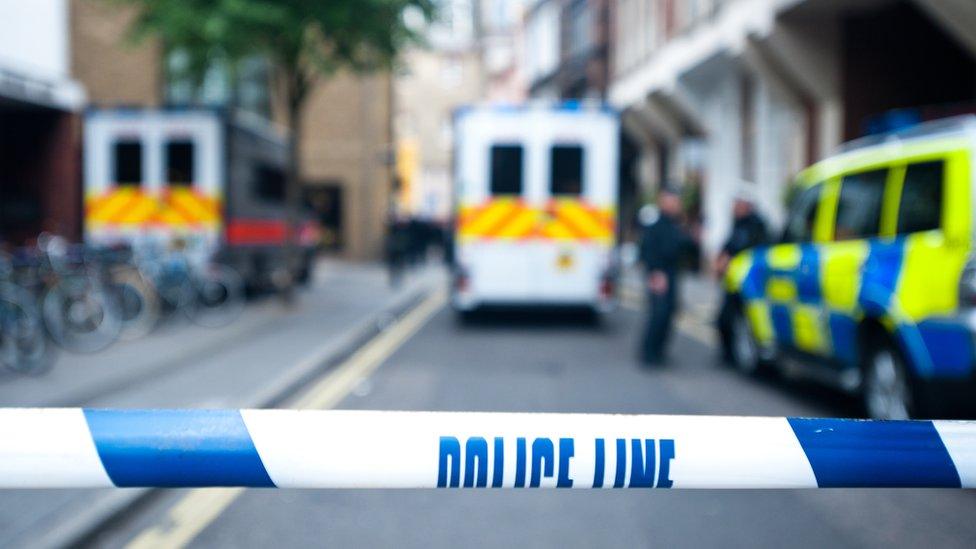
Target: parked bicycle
x=24, y=346
x=209, y=294
x=138, y=302
x=83, y=299
x=80, y=313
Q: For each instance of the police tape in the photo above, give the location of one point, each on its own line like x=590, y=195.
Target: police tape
x=364, y=449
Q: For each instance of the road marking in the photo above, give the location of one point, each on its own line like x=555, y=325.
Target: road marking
x=201, y=507
x=331, y=389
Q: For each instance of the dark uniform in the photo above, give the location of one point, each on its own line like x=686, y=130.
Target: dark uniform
x=747, y=231
x=662, y=246
x=397, y=243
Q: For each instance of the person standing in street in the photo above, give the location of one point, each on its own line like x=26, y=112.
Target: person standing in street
x=748, y=230
x=663, y=244
x=396, y=249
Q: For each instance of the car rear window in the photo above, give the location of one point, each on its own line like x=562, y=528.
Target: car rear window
x=920, y=207
x=506, y=169
x=859, y=205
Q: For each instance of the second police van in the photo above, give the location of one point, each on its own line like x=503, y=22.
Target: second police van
x=205, y=176
x=536, y=193
x=873, y=286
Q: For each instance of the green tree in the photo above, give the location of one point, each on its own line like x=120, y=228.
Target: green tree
x=305, y=40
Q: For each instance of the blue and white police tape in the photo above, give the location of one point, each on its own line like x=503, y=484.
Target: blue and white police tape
x=359, y=449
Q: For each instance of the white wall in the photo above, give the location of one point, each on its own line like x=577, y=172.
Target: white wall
x=782, y=149
x=34, y=37
x=723, y=159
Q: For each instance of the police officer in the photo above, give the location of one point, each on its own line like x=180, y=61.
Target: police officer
x=396, y=249
x=662, y=246
x=748, y=230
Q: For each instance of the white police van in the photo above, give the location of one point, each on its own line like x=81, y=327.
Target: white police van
x=535, y=196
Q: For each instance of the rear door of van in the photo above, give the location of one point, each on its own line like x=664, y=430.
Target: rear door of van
x=493, y=175
x=576, y=228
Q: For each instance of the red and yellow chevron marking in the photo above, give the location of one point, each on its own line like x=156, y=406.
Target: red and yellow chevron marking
x=512, y=219
x=131, y=207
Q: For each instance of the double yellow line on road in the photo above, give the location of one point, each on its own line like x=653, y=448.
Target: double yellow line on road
x=201, y=507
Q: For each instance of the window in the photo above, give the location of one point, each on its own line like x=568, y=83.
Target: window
x=506, y=169
x=269, y=183
x=859, y=205
x=128, y=163
x=566, y=170
x=920, y=208
x=179, y=163
x=803, y=214
x=579, y=28
x=245, y=84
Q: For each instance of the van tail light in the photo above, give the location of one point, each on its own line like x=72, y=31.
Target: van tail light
x=462, y=281
x=608, y=286
x=967, y=286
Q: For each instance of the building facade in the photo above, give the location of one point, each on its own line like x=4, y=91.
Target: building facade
x=499, y=26
x=567, y=48
x=432, y=83
x=745, y=93
x=347, y=161
x=39, y=139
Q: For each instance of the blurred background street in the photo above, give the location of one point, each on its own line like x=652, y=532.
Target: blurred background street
x=489, y=205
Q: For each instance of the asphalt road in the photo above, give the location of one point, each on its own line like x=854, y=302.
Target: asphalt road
x=521, y=362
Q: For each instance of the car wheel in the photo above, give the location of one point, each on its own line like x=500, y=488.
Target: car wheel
x=744, y=348
x=887, y=389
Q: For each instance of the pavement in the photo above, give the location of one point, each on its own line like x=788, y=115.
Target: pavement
x=270, y=352
x=549, y=363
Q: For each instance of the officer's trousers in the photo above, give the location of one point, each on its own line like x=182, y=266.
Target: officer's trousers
x=657, y=331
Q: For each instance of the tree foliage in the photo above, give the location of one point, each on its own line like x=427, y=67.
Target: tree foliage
x=304, y=39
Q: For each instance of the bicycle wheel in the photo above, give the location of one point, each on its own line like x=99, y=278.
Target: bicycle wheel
x=138, y=303
x=80, y=315
x=175, y=290
x=219, y=296
x=23, y=344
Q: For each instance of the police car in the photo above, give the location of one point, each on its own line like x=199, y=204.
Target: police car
x=873, y=285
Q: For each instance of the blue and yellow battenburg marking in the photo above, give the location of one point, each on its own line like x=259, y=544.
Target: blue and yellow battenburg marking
x=60, y=448
x=813, y=297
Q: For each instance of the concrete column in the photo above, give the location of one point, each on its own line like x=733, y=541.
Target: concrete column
x=782, y=131
x=723, y=162
x=804, y=56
